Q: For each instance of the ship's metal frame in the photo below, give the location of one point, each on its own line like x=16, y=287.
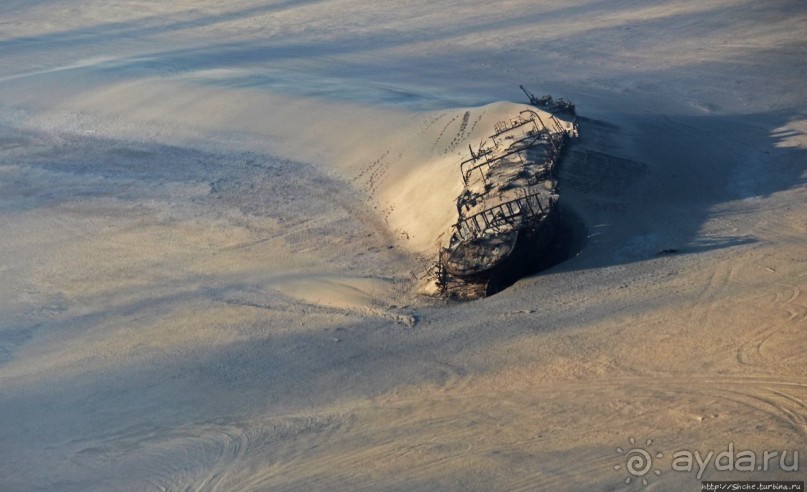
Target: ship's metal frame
x=508, y=198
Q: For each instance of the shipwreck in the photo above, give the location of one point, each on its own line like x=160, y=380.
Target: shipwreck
x=507, y=210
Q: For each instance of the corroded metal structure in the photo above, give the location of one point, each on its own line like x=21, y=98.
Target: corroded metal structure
x=508, y=205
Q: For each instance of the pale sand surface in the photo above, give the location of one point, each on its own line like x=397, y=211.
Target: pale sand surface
x=213, y=216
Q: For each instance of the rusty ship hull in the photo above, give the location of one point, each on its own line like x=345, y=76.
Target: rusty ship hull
x=507, y=212
x=525, y=249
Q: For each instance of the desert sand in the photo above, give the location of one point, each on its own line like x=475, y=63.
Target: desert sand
x=214, y=217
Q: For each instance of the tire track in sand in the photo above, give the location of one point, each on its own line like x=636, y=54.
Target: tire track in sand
x=453, y=425
x=774, y=341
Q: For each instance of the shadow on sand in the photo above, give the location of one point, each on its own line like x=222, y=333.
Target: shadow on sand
x=620, y=206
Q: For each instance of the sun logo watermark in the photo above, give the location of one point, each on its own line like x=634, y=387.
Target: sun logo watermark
x=638, y=461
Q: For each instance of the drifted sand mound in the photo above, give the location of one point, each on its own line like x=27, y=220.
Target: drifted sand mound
x=416, y=178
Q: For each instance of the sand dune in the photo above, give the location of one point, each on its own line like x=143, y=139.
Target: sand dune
x=214, y=217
